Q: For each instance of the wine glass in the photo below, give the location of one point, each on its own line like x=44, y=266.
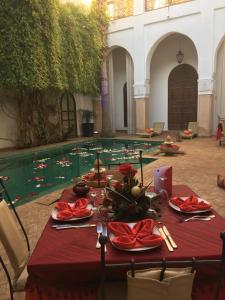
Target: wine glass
x=152, y=212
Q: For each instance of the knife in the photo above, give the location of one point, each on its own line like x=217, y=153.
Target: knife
x=173, y=244
x=170, y=248
x=74, y=226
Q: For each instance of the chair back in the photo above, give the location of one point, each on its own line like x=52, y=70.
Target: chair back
x=13, y=240
x=158, y=127
x=176, y=284
x=193, y=126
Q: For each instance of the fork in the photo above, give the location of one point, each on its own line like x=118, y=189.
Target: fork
x=99, y=230
x=199, y=218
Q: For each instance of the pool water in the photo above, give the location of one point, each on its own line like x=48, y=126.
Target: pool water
x=33, y=174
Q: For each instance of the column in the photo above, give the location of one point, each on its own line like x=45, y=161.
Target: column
x=105, y=102
x=98, y=114
x=130, y=102
x=141, y=97
x=205, y=106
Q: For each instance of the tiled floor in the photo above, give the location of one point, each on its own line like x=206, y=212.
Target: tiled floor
x=198, y=169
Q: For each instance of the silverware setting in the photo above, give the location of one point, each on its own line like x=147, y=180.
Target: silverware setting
x=67, y=226
x=164, y=232
x=198, y=218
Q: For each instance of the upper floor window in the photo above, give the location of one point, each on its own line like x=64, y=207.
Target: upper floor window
x=120, y=8
x=154, y=4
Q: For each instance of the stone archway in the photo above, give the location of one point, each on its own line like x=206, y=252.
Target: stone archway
x=182, y=97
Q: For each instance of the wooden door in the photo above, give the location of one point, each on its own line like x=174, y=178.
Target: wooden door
x=182, y=97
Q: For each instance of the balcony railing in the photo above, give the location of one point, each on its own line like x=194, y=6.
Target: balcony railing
x=120, y=8
x=154, y=4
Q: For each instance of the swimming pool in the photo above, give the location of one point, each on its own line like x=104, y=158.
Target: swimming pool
x=36, y=173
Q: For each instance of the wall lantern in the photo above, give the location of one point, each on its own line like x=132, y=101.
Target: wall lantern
x=180, y=56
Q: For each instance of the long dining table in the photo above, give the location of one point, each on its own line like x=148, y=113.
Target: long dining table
x=65, y=264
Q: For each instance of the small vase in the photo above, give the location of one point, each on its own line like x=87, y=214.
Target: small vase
x=81, y=189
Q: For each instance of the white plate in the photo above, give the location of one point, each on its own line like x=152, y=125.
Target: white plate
x=155, y=231
x=190, y=212
x=55, y=212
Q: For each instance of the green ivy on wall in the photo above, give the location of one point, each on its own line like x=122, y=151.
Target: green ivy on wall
x=50, y=45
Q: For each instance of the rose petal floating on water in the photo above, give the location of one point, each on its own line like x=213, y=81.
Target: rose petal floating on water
x=38, y=178
x=41, y=166
x=64, y=163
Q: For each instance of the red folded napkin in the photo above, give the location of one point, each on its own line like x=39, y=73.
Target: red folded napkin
x=81, y=203
x=62, y=205
x=192, y=203
x=140, y=235
x=80, y=213
x=65, y=214
x=78, y=210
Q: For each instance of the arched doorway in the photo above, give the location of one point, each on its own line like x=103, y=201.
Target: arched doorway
x=182, y=97
x=68, y=115
x=120, y=78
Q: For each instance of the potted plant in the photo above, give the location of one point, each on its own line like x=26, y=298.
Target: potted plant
x=87, y=119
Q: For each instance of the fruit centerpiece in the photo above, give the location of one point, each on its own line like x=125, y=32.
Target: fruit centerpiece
x=127, y=198
x=97, y=176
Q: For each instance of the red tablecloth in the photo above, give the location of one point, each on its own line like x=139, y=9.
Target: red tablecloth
x=69, y=259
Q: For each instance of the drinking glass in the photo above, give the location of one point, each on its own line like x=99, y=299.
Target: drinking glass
x=162, y=190
x=152, y=212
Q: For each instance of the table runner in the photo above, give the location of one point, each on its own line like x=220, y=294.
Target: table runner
x=69, y=259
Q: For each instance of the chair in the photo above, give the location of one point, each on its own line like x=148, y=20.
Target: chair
x=177, y=284
x=191, y=131
x=15, y=242
x=154, y=131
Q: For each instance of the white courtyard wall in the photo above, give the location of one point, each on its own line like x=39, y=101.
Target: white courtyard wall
x=202, y=21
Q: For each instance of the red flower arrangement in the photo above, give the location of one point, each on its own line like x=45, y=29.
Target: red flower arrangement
x=127, y=198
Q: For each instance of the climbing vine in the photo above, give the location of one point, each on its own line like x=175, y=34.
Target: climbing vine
x=44, y=46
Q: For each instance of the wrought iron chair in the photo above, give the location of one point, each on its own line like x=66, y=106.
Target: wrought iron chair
x=135, y=266
x=16, y=244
